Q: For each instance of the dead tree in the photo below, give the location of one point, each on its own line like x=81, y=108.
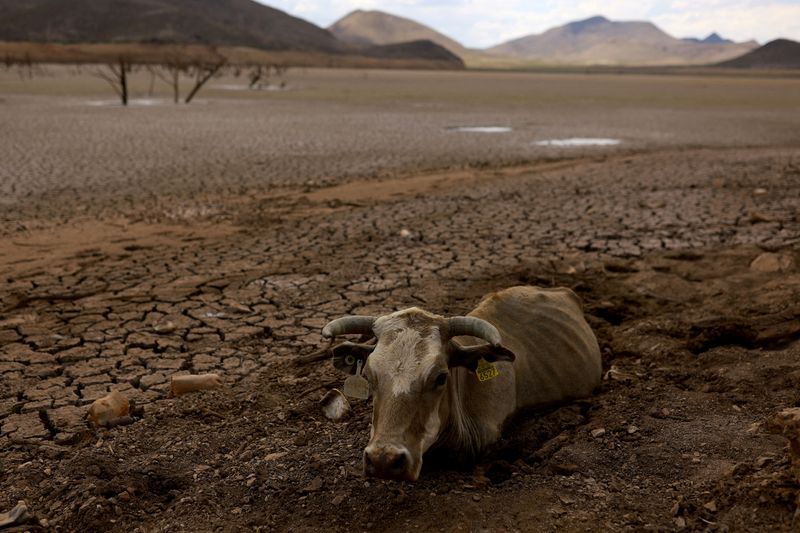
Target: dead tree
x=170, y=73
x=201, y=69
x=117, y=77
x=24, y=65
x=258, y=72
x=202, y=73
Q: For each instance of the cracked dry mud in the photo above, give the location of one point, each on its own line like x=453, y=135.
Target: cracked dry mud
x=119, y=293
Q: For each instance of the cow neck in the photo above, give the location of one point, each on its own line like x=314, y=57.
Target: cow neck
x=460, y=432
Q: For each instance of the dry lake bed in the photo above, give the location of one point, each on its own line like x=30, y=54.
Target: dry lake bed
x=142, y=242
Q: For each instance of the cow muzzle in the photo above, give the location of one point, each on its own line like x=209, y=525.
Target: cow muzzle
x=389, y=462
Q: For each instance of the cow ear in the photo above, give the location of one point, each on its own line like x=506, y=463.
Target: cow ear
x=347, y=354
x=468, y=356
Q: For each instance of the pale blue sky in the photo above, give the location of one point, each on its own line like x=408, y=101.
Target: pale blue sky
x=481, y=23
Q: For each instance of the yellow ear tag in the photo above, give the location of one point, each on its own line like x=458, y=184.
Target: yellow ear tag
x=486, y=370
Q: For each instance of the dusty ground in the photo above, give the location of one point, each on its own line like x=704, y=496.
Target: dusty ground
x=220, y=237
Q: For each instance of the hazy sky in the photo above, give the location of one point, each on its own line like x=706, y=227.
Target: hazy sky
x=480, y=23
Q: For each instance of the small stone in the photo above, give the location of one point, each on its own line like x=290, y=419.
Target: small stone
x=680, y=522
x=756, y=217
x=564, y=469
x=632, y=429
x=711, y=506
x=275, y=456
x=476, y=497
x=770, y=262
x=759, y=191
x=314, y=486
x=599, y=432
x=676, y=507
x=615, y=374
x=19, y=514
x=192, y=383
x=763, y=461
x=338, y=499
x=755, y=428
x=111, y=406
x=165, y=327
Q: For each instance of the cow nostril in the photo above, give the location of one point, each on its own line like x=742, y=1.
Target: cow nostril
x=398, y=464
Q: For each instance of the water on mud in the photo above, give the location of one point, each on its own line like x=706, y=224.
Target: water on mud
x=481, y=129
x=579, y=141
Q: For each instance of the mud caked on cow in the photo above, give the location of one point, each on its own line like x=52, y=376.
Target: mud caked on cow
x=451, y=383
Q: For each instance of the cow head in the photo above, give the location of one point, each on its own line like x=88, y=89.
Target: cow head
x=408, y=369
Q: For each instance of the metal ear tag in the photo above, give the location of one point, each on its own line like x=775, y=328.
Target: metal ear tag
x=356, y=386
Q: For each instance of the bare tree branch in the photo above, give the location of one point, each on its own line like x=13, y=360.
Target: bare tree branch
x=118, y=79
x=204, y=73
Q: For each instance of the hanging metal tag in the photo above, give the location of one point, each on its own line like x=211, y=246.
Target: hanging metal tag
x=356, y=386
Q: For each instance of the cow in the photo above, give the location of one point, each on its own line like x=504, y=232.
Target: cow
x=423, y=372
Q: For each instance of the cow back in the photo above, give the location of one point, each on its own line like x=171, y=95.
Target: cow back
x=557, y=356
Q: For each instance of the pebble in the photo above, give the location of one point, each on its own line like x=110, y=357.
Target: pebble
x=314, y=486
x=599, y=432
x=564, y=469
x=769, y=262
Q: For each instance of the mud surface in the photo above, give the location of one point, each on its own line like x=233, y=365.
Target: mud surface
x=686, y=257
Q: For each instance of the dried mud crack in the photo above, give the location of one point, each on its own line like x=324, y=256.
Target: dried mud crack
x=700, y=347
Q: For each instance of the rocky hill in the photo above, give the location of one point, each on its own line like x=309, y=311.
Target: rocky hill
x=601, y=41
x=217, y=22
x=368, y=28
x=780, y=53
x=422, y=49
x=713, y=38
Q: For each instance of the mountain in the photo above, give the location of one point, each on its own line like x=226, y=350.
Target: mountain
x=218, y=22
x=714, y=38
x=781, y=53
x=600, y=41
x=422, y=49
x=368, y=28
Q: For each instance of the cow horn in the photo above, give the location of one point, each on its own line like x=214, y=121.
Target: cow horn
x=349, y=324
x=475, y=327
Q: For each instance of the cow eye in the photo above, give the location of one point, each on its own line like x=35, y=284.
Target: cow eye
x=441, y=379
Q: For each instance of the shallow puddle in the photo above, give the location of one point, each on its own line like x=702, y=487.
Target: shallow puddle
x=481, y=129
x=579, y=141
x=235, y=87
x=131, y=102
